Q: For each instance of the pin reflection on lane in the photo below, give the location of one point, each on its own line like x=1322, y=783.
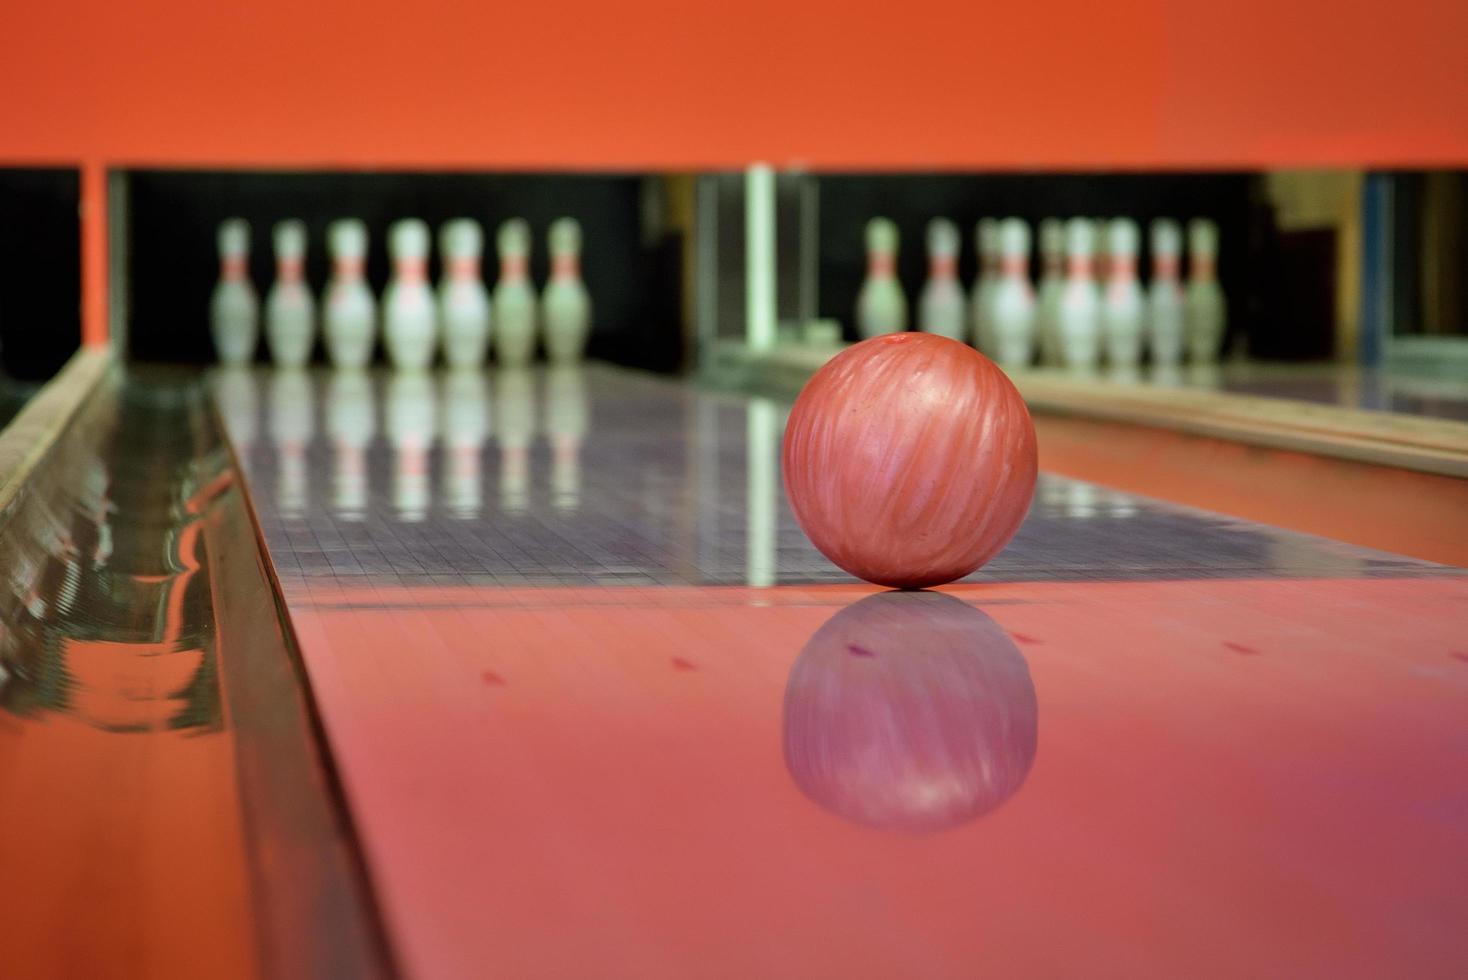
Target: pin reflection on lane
x=292, y=426
x=351, y=424
x=466, y=422
x=515, y=431
x=566, y=414
x=412, y=426
x=238, y=400
x=910, y=711
x=453, y=412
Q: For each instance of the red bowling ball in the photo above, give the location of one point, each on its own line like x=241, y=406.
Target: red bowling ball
x=910, y=460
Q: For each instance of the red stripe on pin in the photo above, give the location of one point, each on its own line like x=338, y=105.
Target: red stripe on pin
x=412, y=270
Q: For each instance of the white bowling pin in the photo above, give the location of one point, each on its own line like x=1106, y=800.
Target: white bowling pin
x=881, y=306
x=349, y=322
x=514, y=298
x=463, y=301
x=412, y=425
x=351, y=424
x=234, y=309
x=409, y=320
x=292, y=424
x=1080, y=302
x=514, y=418
x=986, y=242
x=1165, y=313
x=1206, y=313
x=1011, y=313
x=1052, y=285
x=942, y=307
x=566, y=414
x=566, y=306
x=465, y=416
x=1123, y=308
x=290, y=309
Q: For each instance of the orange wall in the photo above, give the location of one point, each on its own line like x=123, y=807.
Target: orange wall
x=652, y=83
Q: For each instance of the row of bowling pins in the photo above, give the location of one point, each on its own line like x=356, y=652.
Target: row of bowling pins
x=463, y=317
x=1081, y=312
x=459, y=409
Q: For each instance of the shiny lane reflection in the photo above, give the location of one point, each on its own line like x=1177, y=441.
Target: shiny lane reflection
x=351, y=424
x=910, y=711
x=762, y=499
x=567, y=417
x=453, y=413
x=515, y=431
x=292, y=426
x=237, y=398
x=412, y=427
x=466, y=422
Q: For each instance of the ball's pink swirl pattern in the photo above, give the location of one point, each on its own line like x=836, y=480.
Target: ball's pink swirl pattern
x=910, y=460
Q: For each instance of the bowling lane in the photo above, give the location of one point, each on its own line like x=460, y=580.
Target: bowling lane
x=600, y=709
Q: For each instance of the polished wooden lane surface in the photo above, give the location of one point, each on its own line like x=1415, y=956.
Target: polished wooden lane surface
x=1226, y=779
x=600, y=709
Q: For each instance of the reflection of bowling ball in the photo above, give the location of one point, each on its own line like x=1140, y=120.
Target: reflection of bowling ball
x=909, y=460
x=910, y=711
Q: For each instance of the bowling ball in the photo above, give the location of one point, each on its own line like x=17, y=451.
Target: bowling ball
x=909, y=460
x=910, y=711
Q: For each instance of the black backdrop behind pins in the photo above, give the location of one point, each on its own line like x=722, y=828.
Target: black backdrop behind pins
x=40, y=270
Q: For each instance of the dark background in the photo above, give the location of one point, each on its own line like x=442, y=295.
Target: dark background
x=633, y=273
x=1259, y=300
x=40, y=270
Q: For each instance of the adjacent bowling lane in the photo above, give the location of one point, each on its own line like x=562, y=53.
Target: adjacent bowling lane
x=600, y=709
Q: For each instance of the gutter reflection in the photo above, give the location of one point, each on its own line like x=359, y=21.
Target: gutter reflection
x=911, y=712
x=105, y=614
